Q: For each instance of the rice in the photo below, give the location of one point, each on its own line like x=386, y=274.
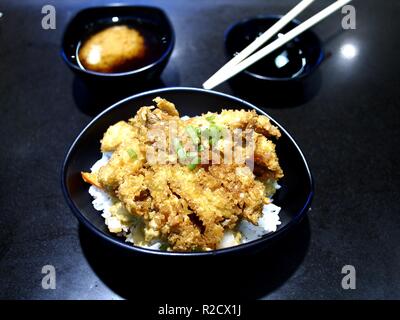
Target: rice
x=267, y=223
x=133, y=230
x=103, y=161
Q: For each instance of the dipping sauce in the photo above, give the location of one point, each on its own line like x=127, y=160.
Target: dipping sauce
x=117, y=44
x=114, y=49
x=293, y=60
x=286, y=62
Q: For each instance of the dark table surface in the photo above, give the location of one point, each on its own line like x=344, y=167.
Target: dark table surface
x=349, y=130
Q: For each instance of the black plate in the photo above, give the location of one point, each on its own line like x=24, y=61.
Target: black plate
x=294, y=197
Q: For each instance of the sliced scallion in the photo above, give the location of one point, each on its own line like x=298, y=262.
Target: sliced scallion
x=132, y=154
x=181, y=154
x=192, y=154
x=177, y=144
x=193, y=133
x=210, y=118
x=193, y=164
x=215, y=134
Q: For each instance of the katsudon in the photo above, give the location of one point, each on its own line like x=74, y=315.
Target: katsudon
x=188, y=183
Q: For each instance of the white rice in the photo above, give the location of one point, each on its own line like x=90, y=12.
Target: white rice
x=103, y=161
x=267, y=223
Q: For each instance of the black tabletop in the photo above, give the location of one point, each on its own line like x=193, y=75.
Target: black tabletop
x=348, y=127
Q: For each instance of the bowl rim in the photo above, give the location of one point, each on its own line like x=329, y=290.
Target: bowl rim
x=257, y=76
x=163, y=57
x=235, y=249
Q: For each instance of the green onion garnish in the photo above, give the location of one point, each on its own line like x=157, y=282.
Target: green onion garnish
x=215, y=134
x=181, y=154
x=210, y=118
x=193, y=164
x=179, y=149
x=132, y=154
x=177, y=144
x=193, y=133
x=192, y=154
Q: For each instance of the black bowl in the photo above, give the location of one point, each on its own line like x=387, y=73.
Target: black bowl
x=295, y=60
x=90, y=20
x=298, y=60
x=294, y=197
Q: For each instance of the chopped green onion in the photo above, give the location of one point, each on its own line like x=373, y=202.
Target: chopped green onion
x=194, y=134
x=193, y=164
x=177, y=144
x=164, y=247
x=132, y=154
x=192, y=154
x=179, y=150
x=198, y=131
x=215, y=134
x=210, y=118
x=181, y=154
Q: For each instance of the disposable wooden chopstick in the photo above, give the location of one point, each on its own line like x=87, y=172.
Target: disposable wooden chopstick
x=259, y=41
x=232, y=71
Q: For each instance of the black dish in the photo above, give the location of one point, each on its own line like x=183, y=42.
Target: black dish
x=294, y=197
x=302, y=56
x=148, y=19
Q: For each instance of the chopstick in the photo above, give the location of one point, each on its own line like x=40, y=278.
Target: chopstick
x=259, y=41
x=227, y=73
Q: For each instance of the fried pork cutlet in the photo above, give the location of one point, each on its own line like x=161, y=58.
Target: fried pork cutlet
x=162, y=171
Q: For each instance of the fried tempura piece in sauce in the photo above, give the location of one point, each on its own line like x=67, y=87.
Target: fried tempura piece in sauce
x=113, y=49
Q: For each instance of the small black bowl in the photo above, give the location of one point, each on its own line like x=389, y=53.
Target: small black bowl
x=294, y=197
x=287, y=69
x=147, y=19
x=295, y=60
